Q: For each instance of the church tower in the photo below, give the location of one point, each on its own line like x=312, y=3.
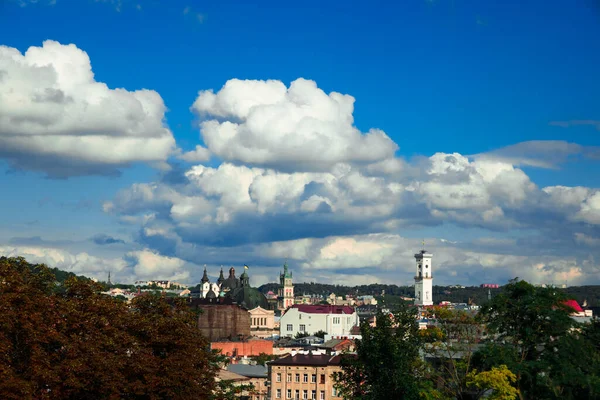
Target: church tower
x=286, y=289
x=423, y=279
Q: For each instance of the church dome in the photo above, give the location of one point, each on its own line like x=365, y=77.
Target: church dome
x=231, y=282
x=247, y=296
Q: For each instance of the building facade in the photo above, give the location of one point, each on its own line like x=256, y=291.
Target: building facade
x=246, y=348
x=304, y=375
x=304, y=318
x=424, y=279
x=262, y=323
x=286, y=289
x=221, y=318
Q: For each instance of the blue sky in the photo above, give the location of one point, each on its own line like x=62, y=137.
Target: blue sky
x=506, y=95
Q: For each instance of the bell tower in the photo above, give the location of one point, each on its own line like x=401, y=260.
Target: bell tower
x=424, y=279
x=286, y=289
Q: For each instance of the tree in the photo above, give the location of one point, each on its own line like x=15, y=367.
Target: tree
x=263, y=358
x=320, y=334
x=76, y=343
x=449, y=345
x=387, y=363
x=538, y=340
x=499, y=381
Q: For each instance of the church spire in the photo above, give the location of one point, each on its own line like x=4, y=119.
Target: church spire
x=221, y=277
x=204, y=277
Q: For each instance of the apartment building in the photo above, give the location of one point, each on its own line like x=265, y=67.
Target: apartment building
x=305, y=318
x=304, y=376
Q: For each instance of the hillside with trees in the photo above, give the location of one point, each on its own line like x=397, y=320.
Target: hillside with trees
x=454, y=294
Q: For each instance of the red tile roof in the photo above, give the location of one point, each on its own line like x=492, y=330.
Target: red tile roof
x=573, y=304
x=323, y=309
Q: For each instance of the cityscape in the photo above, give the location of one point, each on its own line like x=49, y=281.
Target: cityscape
x=311, y=200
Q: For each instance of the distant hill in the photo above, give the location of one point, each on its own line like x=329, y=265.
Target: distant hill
x=61, y=275
x=456, y=295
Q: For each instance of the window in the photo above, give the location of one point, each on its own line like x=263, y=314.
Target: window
x=289, y=393
x=322, y=379
x=334, y=392
x=322, y=395
x=305, y=394
x=305, y=378
x=297, y=397
x=336, y=320
x=290, y=327
x=278, y=377
x=278, y=394
x=314, y=395
x=297, y=377
x=313, y=378
x=289, y=377
x=302, y=328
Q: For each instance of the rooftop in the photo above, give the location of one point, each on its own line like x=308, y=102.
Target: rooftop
x=250, y=371
x=323, y=309
x=574, y=305
x=308, y=359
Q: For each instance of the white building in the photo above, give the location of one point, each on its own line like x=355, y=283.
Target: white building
x=306, y=318
x=424, y=279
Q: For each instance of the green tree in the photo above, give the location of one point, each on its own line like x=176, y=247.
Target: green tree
x=263, y=358
x=499, y=381
x=387, y=363
x=320, y=334
x=450, y=345
x=538, y=340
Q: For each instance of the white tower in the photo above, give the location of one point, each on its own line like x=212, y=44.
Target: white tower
x=423, y=279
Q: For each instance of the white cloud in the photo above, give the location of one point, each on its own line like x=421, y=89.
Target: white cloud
x=55, y=117
x=265, y=123
x=199, y=154
x=81, y=263
x=538, y=153
x=148, y=264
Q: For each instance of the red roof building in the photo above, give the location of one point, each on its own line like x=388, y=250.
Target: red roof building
x=324, y=309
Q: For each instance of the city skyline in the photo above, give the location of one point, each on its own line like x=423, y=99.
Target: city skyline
x=149, y=139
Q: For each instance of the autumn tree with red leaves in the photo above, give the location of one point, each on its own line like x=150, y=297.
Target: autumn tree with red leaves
x=72, y=342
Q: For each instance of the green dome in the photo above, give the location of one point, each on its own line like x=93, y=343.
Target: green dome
x=248, y=297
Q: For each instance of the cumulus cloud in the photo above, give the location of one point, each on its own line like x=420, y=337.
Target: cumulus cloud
x=199, y=154
x=56, y=118
x=134, y=265
x=265, y=123
x=81, y=263
x=149, y=264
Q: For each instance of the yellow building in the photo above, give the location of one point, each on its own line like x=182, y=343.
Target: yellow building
x=303, y=376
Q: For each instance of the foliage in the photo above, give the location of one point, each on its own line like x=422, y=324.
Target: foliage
x=538, y=340
x=450, y=345
x=264, y=358
x=228, y=390
x=301, y=335
x=387, y=364
x=320, y=334
x=499, y=380
x=77, y=343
